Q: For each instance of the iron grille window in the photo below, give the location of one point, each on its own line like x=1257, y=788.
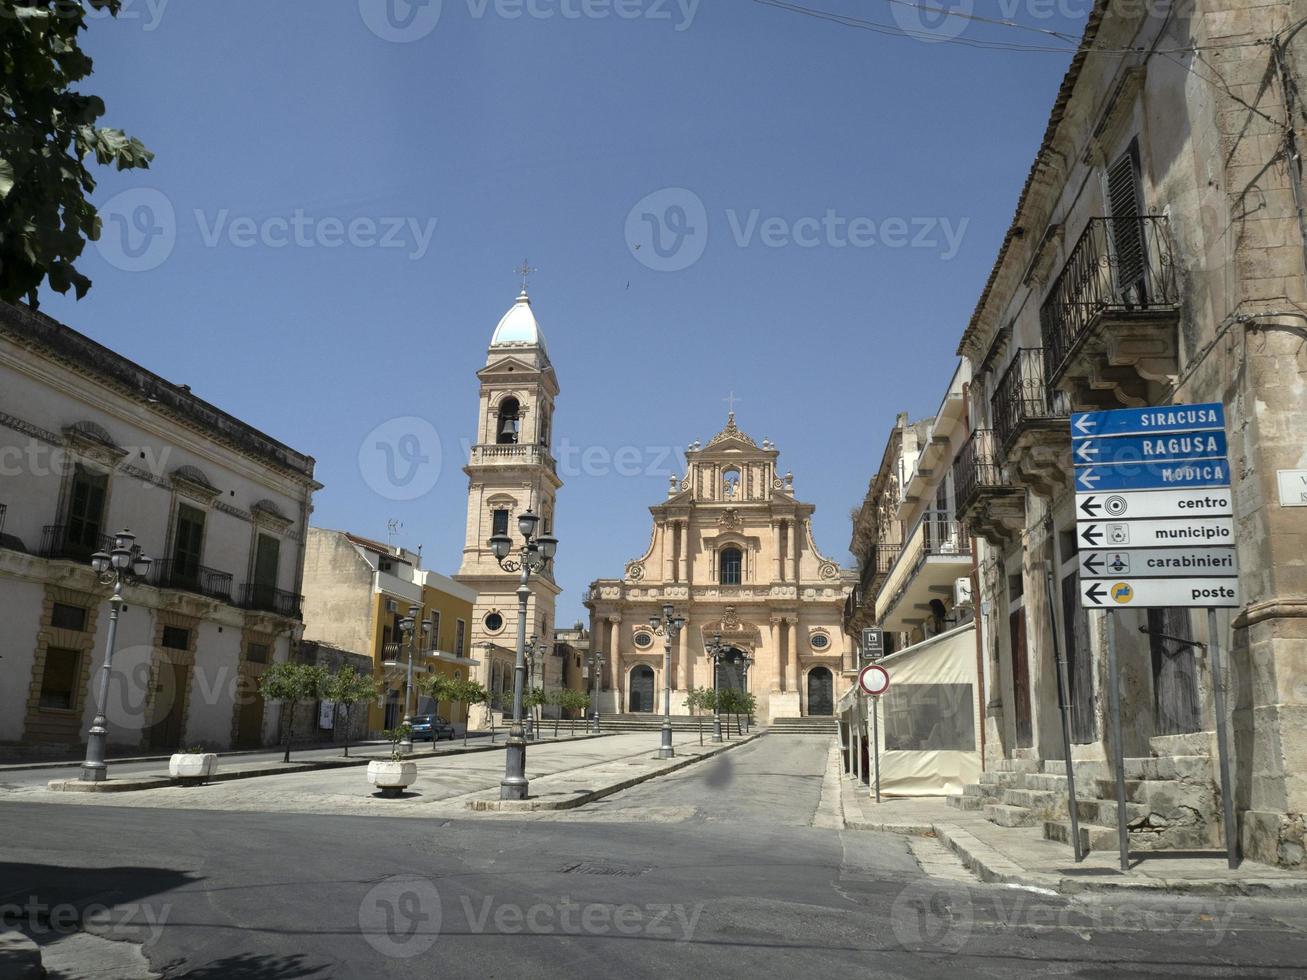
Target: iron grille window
x=176, y=638
x=66, y=617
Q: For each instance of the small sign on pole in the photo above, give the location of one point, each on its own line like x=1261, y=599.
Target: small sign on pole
x=873, y=679
x=873, y=643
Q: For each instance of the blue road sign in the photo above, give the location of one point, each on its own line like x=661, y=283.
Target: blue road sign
x=1167, y=447
x=1153, y=476
x=1148, y=421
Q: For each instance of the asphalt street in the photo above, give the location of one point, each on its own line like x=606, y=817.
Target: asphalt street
x=715, y=870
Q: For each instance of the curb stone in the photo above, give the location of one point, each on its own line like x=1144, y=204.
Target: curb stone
x=582, y=798
x=20, y=958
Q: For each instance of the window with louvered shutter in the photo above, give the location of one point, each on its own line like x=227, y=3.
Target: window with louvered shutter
x=1125, y=204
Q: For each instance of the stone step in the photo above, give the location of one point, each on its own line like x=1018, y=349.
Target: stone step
x=1035, y=799
x=1103, y=812
x=1162, y=795
x=967, y=802
x=1189, y=744
x=1092, y=837
x=1009, y=816
x=973, y=789
x=1015, y=765
x=1173, y=767
x=1001, y=780
x=1046, y=782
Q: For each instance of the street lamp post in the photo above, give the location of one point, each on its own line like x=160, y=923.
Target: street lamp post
x=746, y=662
x=596, y=662
x=717, y=652
x=668, y=625
x=533, y=558
x=409, y=632
x=533, y=650
x=125, y=564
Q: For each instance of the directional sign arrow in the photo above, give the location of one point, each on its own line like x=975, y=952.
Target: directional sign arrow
x=1095, y=593
x=1093, y=562
x=1084, y=425
x=1091, y=535
x=1086, y=451
x=1086, y=479
x=1090, y=506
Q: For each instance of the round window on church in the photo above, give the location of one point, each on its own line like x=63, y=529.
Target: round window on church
x=643, y=640
x=494, y=622
x=819, y=641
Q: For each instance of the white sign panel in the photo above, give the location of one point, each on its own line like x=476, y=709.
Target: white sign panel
x=1141, y=504
x=1158, y=563
x=1151, y=592
x=1155, y=534
x=1293, y=488
x=327, y=714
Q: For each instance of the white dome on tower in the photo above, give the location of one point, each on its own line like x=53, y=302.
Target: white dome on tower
x=519, y=328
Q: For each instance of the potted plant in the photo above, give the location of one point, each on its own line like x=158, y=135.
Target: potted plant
x=193, y=766
x=392, y=776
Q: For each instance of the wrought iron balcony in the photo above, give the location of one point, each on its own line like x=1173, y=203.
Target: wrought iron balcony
x=1023, y=399
x=63, y=542
x=170, y=573
x=1120, y=274
x=987, y=499
x=267, y=599
x=879, y=561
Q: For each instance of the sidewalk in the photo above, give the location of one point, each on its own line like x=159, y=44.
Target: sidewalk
x=250, y=770
x=1021, y=856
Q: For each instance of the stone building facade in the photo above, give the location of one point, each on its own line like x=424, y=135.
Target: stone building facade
x=90, y=444
x=732, y=551
x=1156, y=257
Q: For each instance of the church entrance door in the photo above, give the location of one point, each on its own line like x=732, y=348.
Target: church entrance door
x=641, y=689
x=821, y=693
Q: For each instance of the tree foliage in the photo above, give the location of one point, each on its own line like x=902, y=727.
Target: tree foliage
x=47, y=132
x=292, y=684
x=348, y=687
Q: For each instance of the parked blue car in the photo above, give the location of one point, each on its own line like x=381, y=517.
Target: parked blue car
x=429, y=728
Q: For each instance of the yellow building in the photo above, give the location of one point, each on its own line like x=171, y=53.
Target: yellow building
x=357, y=591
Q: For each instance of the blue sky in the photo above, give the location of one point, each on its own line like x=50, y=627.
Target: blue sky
x=328, y=235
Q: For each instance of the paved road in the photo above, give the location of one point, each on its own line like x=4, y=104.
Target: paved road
x=715, y=870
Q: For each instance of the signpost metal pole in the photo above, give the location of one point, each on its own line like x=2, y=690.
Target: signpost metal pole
x=1118, y=749
x=1064, y=702
x=875, y=739
x=1222, y=743
x=858, y=738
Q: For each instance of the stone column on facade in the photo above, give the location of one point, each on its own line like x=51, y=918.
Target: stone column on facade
x=792, y=655
x=795, y=552
x=777, y=659
x=614, y=668
x=684, y=574
x=779, y=574
x=685, y=681
x=669, y=551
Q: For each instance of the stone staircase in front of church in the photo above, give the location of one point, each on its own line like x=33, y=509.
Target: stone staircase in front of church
x=1172, y=802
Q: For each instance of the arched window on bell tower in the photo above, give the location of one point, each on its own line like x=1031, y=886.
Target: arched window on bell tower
x=510, y=422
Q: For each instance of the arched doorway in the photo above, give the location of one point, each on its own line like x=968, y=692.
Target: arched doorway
x=821, y=692
x=730, y=671
x=641, y=689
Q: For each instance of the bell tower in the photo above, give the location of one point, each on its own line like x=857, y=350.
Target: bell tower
x=510, y=469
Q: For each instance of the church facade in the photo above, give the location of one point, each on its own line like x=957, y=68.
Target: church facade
x=510, y=470
x=732, y=551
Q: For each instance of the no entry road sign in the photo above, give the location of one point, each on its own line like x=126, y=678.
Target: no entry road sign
x=873, y=679
x=1123, y=593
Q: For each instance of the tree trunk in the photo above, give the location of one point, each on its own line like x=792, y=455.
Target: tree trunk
x=349, y=726
x=290, y=732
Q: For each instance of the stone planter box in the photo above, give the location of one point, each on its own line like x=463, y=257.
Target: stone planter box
x=193, y=768
x=391, y=777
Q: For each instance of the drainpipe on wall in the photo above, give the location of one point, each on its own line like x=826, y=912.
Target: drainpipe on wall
x=975, y=602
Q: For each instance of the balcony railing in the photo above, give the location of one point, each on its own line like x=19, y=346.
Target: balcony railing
x=1023, y=397
x=64, y=543
x=977, y=468
x=1119, y=265
x=169, y=573
x=267, y=599
x=511, y=453
x=877, y=566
